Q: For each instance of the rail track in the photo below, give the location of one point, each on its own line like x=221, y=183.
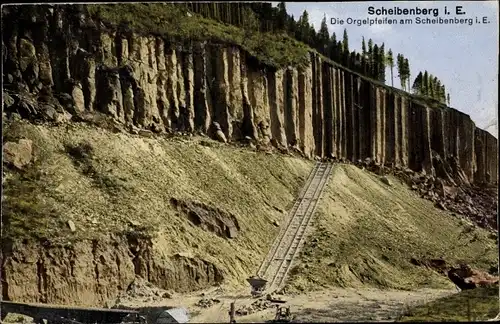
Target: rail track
x=286, y=245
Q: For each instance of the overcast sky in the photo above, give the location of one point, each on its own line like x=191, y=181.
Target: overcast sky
x=463, y=57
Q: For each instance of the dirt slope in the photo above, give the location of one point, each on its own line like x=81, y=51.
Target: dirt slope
x=366, y=233
x=185, y=213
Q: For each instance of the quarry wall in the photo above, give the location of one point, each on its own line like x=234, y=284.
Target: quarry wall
x=321, y=109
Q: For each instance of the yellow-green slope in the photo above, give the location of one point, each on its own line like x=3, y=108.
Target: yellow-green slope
x=366, y=232
x=117, y=179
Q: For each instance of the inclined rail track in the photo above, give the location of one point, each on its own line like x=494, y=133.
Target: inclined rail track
x=286, y=245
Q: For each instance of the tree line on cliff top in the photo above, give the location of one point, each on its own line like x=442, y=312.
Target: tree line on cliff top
x=371, y=62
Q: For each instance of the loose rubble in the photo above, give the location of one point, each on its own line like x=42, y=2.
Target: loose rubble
x=450, y=193
x=257, y=306
x=142, y=290
x=207, y=302
x=71, y=226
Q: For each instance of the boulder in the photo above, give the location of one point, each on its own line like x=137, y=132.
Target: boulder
x=18, y=154
x=467, y=278
x=221, y=137
x=71, y=226
x=8, y=101
x=385, y=180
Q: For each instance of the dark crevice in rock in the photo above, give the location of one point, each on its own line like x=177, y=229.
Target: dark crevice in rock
x=208, y=218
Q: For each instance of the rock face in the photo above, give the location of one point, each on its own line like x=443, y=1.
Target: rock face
x=145, y=81
x=95, y=273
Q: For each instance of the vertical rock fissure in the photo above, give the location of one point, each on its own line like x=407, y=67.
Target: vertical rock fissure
x=327, y=109
x=248, y=126
x=274, y=108
x=315, y=113
x=290, y=108
x=338, y=114
x=390, y=138
x=187, y=112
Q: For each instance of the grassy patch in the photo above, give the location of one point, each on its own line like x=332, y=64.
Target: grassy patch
x=26, y=214
x=472, y=305
x=172, y=23
x=366, y=233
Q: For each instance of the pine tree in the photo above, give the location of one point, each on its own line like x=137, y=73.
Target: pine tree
x=345, y=42
x=250, y=22
x=417, y=84
x=292, y=26
x=303, y=31
x=339, y=52
x=363, y=46
x=376, y=62
x=382, y=63
x=390, y=63
x=431, y=85
x=333, y=48
x=400, y=68
x=448, y=98
x=313, y=37
x=436, y=87
x=352, y=60
x=406, y=65
x=425, y=84
x=369, y=64
x=370, y=46
x=443, y=94
x=323, y=37
x=282, y=17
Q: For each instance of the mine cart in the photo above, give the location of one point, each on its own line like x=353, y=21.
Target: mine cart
x=258, y=285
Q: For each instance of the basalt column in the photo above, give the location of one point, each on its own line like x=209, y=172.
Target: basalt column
x=343, y=109
x=404, y=131
x=221, y=90
x=348, y=102
x=374, y=123
x=290, y=84
x=337, y=121
x=305, y=111
x=236, y=111
x=317, y=102
x=187, y=112
x=328, y=98
x=390, y=138
x=248, y=127
x=201, y=92
x=277, y=108
x=365, y=119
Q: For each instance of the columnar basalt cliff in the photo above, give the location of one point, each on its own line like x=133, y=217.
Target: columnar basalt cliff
x=321, y=109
